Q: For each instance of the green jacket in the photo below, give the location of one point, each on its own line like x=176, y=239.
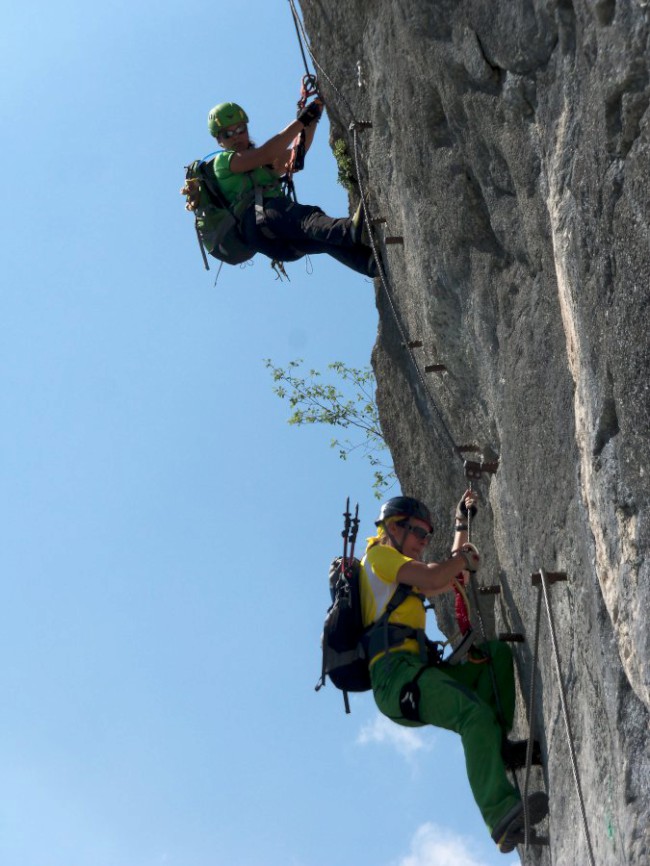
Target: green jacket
x=232, y=184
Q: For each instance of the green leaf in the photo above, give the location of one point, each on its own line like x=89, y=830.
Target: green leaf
x=346, y=403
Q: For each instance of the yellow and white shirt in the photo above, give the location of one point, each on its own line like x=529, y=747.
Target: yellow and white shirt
x=379, y=568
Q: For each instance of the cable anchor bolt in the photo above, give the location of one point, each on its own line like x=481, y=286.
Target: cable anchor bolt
x=474, y=470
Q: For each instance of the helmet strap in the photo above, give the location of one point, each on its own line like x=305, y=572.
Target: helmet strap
x=393, y=540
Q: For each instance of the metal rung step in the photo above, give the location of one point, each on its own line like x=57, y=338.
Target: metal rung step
x=551, y=577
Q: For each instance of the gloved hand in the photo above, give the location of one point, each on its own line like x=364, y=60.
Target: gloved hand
x=471, y=556
x=311, y=113
x=461, y=508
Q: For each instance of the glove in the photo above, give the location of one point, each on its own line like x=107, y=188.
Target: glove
x=461, y=509
x=311, y=113
x=471, y=556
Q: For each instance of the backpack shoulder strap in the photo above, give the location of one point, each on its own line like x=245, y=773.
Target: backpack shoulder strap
x=204, y=169
x=241, y=203
x=400, y=595
x=381, y=635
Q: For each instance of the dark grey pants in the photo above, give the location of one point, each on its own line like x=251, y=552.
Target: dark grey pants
x=292, y=230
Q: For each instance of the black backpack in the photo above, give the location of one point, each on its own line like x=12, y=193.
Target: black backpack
x=344, y=653
x=216, y=222
x=345, y=641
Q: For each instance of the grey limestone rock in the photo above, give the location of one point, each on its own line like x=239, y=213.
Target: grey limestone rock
x=510, y=147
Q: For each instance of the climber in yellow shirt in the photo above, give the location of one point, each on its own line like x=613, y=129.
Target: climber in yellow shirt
x=412, y=686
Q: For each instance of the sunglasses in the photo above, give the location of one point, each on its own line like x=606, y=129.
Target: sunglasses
x=229, y=133
x=417, y=531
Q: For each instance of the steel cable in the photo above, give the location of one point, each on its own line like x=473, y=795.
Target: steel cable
x=565, y=713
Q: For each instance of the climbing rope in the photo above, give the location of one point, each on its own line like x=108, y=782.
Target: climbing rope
x=565, y=713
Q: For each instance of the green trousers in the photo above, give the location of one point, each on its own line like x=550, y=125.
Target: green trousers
x=461, y=699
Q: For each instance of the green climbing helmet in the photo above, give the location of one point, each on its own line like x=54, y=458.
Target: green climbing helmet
x=404, y=506
x=225, y=114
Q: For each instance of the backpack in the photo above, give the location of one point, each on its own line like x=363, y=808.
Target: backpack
x=217, y=223
x=345, y=641
x=344, y=654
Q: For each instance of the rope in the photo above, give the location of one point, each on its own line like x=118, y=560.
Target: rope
x=565, y=713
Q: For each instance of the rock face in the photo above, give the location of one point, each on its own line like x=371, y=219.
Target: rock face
x=510, y=147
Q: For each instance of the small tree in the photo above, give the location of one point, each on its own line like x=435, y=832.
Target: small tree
x=349, y=404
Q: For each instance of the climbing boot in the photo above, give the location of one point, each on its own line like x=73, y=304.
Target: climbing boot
x=513, y=753
x=509, y=831
x=460, y=653
x=359, y=232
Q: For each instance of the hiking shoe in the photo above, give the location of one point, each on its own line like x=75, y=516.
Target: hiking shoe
x=513, y=753
x=509, y=831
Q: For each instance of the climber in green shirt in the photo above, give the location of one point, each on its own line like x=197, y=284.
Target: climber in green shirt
x=274, y=224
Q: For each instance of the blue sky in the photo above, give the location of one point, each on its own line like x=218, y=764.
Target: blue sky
x=165, y=534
